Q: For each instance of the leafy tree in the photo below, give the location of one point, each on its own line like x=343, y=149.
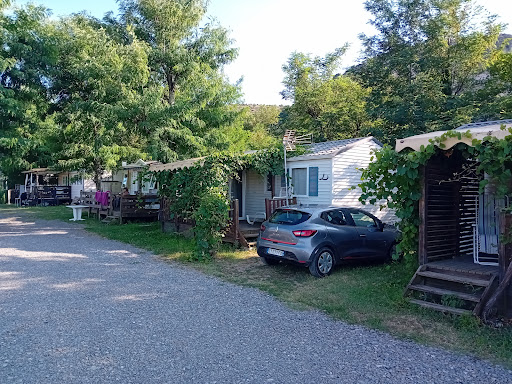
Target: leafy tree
x=194, y=115
x=425, y=62
x=98, y=83
x=495, y=99
x=260, y=122
x=28, y=51
x=329, y=105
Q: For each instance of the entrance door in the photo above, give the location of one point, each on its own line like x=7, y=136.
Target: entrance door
x=237, y=193
x=486, y=240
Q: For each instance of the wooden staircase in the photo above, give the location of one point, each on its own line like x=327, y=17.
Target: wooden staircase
x=451, y=290
x=110, y=219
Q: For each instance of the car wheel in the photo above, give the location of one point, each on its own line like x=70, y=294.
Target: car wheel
x=322, y=263
x=270, y=261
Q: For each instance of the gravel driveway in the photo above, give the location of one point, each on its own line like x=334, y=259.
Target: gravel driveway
x=77, y=308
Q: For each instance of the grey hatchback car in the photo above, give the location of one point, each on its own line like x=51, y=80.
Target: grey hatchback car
x=319, y=238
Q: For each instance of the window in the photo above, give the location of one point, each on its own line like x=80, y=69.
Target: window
x=269, y=183
x=362, y=219
x=288, y=216
x=299, y=181
x=335, y=217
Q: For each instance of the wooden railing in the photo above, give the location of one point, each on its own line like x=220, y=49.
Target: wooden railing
x=139, y=207
x=232, y=234
x=272, y=204
x=171, y=222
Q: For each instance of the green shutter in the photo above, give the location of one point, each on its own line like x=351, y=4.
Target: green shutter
x=313, y=181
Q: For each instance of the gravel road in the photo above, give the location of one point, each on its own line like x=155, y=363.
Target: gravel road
x=77, y=308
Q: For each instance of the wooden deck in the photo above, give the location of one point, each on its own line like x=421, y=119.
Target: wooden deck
x=464, y=264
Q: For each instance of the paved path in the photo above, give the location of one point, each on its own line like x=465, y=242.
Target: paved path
x=76, y=308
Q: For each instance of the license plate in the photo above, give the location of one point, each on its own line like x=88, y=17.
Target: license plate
x=275, y=252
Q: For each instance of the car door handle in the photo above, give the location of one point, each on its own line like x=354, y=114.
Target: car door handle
x=362, y=235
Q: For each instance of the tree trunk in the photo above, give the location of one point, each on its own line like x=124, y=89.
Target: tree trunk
x=97, y=175
x=171, y=84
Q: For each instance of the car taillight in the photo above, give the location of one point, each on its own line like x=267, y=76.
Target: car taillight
x=304, y=233
x=262, y=228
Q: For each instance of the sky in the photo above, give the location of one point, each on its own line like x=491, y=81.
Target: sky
x=268, y=31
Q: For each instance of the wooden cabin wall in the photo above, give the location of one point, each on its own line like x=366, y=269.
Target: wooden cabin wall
x=441, y=207
x=449, y=207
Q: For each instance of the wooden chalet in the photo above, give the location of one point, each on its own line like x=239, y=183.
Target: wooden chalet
x=463, y=266
x=42, y=188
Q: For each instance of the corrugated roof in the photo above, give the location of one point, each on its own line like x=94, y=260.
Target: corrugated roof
x=330, y=149
x=477, y=130
x=176, y=165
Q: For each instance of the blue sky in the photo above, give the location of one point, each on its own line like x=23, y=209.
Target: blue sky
x=267, y=31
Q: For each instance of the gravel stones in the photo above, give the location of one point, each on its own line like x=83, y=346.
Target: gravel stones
x=77, y=308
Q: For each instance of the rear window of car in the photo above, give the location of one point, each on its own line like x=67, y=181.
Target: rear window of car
x=289, y=216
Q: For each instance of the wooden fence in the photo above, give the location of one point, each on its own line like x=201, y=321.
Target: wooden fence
x=272, y=204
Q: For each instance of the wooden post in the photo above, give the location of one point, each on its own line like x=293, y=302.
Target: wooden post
x=268, y=210
x=422, y=236
x=505, y=249
x=236, y=223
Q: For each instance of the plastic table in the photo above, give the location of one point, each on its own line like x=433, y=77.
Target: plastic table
x=77, y=212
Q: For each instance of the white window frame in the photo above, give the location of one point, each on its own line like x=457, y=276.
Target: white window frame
x=307, y=179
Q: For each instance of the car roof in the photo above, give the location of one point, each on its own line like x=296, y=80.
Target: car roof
x=315, y=208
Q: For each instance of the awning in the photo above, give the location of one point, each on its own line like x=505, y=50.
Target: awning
x=42, y=171
x=478, y=131
x=176, y=165
x=140, y=164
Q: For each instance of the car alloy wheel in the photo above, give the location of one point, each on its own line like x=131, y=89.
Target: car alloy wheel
x=322, y=264
x=325, y=262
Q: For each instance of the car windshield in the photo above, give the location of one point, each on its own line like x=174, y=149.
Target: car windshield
x=289, y=216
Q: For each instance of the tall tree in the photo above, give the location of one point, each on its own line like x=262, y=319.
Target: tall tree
x=28, y=52
x=325, y=103
x=494, y=101
x=98, y=84
x=195, y=115
x=425, y=61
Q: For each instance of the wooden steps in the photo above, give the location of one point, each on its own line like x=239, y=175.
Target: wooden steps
x=110, y=219
x=451, y=290
x=441, y=308
x=454, y=278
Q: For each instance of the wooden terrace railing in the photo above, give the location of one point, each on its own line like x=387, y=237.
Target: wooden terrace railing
x=272, y=204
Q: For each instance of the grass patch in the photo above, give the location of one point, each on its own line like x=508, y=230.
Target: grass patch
x=370, y=294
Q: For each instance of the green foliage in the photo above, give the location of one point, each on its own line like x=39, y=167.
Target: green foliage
x=425, y=64
x=210, y=218
x=28, y=52
x=86, y=93
x=495, y=98
x=97, y=82
x=200, y=192
x=330, y=105
x=261, y=124
x=394, y=177
x=189, y=109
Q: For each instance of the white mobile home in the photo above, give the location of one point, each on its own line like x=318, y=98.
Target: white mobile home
x=323, y=175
